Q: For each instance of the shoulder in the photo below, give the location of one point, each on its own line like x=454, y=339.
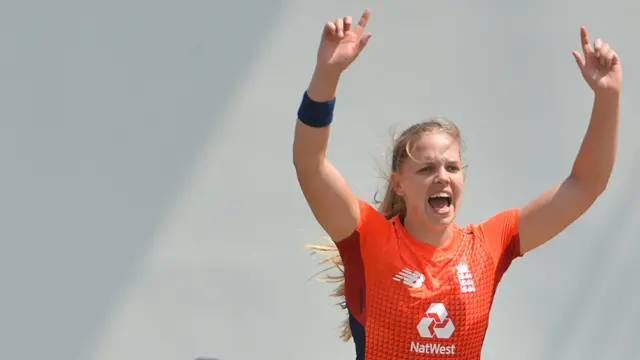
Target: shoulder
x=368, y=212
x=371, y=223
x=370, y=218
x=500, y=234
x=371, y=235
x=498, y=224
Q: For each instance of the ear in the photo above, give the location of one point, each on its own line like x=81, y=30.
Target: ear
x=395, y=182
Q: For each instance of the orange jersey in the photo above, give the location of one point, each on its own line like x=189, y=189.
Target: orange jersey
x=410, y=300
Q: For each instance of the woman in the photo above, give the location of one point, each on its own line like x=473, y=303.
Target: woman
x=416, y=285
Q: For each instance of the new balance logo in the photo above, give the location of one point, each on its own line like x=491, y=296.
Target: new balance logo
x=410, y=278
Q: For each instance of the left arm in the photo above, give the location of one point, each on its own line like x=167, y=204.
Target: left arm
x=553, y=211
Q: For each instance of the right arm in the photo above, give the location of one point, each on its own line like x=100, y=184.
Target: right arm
x=333, y=204
x=326, y=191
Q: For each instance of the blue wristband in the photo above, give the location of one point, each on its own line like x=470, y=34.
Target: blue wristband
x=316, y=114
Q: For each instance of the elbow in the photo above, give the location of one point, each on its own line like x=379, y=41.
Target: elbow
x=298, y=159
x=597, y=189
x=593, y=186
x=298, y=165
x=298, y=155
x=304, y=158
x=304, y=164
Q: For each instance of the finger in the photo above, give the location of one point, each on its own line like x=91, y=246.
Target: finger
x=340, y=27
x=597, y=47
x=330, y=28
x=347, y=23
x=607, y=58
x=364, y=41
x=364, y=19
x=584, y=39
x=579, y=59
x=605, y=54
x=615, y=59
x=610, y=56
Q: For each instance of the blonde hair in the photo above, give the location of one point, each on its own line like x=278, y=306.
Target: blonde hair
x=390, y=206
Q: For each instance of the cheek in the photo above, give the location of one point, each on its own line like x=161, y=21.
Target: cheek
x=417, y=188
x=458, y=185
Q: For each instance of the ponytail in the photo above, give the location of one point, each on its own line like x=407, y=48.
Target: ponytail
x=390, y=206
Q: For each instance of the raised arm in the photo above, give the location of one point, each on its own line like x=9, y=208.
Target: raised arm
x=326, y=191
x=556, y=209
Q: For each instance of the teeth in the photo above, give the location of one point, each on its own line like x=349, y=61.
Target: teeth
x=442, y=194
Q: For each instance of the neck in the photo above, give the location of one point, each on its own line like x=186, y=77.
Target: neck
x=435, y=235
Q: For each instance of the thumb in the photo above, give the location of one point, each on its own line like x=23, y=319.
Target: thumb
x=363, y=42
x=579, y=59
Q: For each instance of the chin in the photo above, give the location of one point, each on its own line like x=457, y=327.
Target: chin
x=442, y=222
x=440, y=219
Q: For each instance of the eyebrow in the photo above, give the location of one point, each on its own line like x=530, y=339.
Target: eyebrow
x=433, y=159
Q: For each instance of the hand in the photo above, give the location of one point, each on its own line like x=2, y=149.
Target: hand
x=340, y=45
x=600, y=65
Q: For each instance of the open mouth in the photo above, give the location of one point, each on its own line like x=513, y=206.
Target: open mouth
x=440, y=203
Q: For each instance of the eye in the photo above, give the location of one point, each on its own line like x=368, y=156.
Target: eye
x=453, y=168
x=428, y=168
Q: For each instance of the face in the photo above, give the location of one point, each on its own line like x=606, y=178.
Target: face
x=431, y=180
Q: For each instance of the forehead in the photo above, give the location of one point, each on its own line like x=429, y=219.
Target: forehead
x=435, y=147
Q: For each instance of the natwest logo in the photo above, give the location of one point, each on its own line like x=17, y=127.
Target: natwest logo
x=436, y=324
x=435, y=349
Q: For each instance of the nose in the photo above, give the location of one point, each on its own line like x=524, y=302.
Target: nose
x=442, y=176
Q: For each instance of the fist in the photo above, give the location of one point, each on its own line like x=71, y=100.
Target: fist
x=341, y=43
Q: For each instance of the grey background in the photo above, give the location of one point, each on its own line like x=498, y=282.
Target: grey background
x=148, y=204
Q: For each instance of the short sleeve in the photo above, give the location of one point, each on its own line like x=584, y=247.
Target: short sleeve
x=375, y=231
x=369, y=219
x=501, y=234
x=353, y=251
x=371, y=233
